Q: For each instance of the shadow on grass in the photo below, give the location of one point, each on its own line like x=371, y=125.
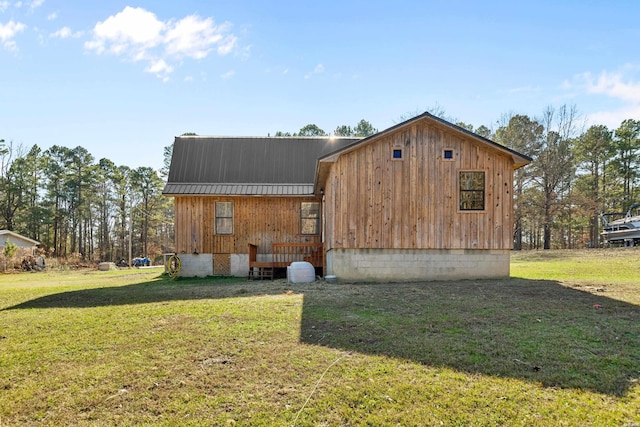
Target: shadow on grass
x=538, y=331
x=161, y=290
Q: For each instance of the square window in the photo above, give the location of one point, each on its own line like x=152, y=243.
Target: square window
x=310, y=218
x=224, y=218
x=397, y=153
x=448, y=154
x=472, y=187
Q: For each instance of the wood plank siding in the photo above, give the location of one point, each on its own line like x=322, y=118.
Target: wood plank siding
x=257, y=220
x=376, y=201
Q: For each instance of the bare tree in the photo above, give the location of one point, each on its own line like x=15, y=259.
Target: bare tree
x=524, y=135
x=554, y=166
x=435, y=110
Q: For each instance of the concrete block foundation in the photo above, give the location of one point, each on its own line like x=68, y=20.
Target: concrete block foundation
x=401, y=265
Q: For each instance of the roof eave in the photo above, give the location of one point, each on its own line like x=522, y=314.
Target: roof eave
x=239, y=189
x=21, y=237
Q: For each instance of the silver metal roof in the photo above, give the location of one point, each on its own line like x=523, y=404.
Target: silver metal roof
x=257, y=189
x=247, y=165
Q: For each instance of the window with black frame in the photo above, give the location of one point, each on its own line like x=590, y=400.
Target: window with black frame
x=224, y=218
x=310, y=218
x=472, y=190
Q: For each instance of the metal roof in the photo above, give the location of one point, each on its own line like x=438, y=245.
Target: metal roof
x=257, y=189
x=225, y=165
x=247, y=165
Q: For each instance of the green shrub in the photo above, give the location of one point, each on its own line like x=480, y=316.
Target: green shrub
x=10, y=249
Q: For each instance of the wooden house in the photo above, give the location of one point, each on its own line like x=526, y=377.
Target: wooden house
x=424, y=199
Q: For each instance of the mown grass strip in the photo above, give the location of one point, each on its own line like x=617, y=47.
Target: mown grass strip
x=547, y=347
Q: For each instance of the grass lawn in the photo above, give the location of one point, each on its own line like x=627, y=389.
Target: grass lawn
x=557, y=344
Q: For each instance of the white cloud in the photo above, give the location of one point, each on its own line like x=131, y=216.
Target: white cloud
x=228, y=74
x=613, y=119
x=52, y=16
x=36, y=4
x=612, y=84
x=139, y=35
x=521, y=89
x=65, y=33
x=131, y=31
x=4, y=5
x=161, y=69
x=245, y=52
x=195, y=37
x=622, y=86
x=8, y=31
x=10, y=45
x=317, y=70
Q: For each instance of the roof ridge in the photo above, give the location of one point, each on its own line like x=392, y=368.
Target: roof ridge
x=266, y=137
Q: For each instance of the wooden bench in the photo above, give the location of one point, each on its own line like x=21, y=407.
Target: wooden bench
x=282, y=255
x=259, y=269
x=286, y=253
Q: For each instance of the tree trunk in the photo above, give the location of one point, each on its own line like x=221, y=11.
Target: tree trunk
x=547, y=237
x=517, y=238
x=595, y=235
x=547, y=227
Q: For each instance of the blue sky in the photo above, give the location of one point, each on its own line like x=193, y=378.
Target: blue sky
x=122, y=78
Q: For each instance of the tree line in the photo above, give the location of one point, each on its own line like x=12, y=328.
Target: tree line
x=77, y=206
x=577, y=173
x=362, y=129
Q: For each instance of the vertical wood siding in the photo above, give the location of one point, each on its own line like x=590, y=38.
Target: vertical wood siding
x=258, y=220
x=375, y=201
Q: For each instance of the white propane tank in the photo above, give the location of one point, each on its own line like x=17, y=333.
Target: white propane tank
x=301, y=272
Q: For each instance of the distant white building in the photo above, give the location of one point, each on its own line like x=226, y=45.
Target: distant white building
x=19, y=240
